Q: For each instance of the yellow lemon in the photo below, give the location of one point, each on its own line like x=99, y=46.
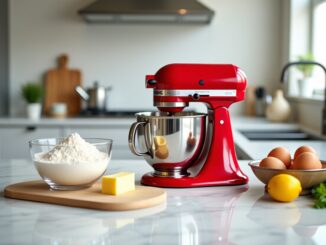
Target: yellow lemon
x=284, y=187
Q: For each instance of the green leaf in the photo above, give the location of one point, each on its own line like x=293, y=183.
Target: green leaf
x=306, y=70
x=32, y=92
x=319, y=193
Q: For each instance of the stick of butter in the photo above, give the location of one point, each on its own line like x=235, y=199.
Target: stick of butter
x=118, y=183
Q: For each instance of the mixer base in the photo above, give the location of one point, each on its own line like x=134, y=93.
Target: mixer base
x=190, y=182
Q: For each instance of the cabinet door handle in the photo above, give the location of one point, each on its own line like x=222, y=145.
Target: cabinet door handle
x=30, y=128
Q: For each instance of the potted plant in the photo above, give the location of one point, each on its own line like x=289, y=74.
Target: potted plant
x=32, y=93
x=305, y=83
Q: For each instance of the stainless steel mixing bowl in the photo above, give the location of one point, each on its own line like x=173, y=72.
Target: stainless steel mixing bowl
x=169, y=143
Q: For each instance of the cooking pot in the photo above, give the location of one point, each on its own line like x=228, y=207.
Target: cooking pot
x=96, y=97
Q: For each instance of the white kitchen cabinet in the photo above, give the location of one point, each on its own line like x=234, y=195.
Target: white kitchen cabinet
x=14, y=139
x=16, y=132
x=119, y=135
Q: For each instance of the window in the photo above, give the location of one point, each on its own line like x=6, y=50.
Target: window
x=319, y=41
x=307, y=34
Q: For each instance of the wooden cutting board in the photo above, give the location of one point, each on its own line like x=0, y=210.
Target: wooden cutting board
x=60, y=84
x=250, y=101
x=92, y=197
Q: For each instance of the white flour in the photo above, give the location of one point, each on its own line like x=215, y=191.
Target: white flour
x=74, y=149
x=72, y=162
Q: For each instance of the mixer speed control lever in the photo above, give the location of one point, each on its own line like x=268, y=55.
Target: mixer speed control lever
x=151, y=82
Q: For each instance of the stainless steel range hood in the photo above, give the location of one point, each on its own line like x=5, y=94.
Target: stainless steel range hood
x=147, y=11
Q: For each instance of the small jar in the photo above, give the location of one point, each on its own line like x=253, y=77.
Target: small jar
x=59, y=110
x=260, y=105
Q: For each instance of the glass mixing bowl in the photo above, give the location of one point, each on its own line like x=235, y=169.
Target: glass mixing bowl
x=70, y=175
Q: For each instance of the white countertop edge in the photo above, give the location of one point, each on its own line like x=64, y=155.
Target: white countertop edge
x=107, y=121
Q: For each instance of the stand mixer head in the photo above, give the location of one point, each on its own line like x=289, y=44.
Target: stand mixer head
x=175, y=86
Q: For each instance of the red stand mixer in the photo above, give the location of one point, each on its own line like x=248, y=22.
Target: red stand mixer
x=184, y=149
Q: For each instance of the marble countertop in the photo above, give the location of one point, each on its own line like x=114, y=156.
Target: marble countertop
x=212, y=215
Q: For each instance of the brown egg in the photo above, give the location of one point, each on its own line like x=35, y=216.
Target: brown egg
x=272, y=162
x=281, y=153
x=302, y=149
x=307, y=161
